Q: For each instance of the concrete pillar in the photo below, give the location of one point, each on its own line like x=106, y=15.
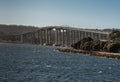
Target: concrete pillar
x=56, y=37
x=46, y=31
x=73, y=36
x=44, y=37
x=78, y=35
x=62, y=37
x=24, y=38
x=41, y=37
x=38, y=37
x=33, y=34
x=92, y=35
x=68, y=37
x=59, y=37
x=107, y=36
x=21, y=38
x=49, y=37
x=85, y=34
x=99, y=36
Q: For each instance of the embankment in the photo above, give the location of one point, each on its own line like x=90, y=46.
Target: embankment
x=92, y=53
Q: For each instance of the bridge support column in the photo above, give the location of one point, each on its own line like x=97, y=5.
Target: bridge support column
x=41, y=37
x=24, y=38
x=21, y=38
x=92, y=35
x=34, y=39
x=49, y=37
x=56, y=37
x=59, y=37
x=74, y=36
x=63, y=37
x=38, y=37
x=46, y=31
x=68, y=37
x=82, y=34
x=99, y=36
x=79, y=35
x=44, y=37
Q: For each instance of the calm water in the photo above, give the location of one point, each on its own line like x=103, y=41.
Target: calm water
x=32, y=63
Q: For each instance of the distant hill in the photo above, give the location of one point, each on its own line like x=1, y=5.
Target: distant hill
x=16, y=29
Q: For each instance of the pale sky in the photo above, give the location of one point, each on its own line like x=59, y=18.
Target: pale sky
x=75, y=13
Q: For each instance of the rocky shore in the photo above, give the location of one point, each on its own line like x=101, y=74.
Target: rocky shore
x=92, y=53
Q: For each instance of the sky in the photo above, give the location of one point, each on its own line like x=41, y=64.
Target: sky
x=76, y=13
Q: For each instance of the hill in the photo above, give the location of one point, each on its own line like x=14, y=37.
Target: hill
x=16, y=29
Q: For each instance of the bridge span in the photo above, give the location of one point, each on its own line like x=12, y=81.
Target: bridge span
x=60, y=36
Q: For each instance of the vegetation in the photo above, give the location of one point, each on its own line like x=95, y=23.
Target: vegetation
x=115, y=34
x=7, y=32
x=112, y=45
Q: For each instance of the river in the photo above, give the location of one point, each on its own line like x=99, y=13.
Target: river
x=35, y=63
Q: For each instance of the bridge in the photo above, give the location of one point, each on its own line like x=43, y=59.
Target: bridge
x=59, y=36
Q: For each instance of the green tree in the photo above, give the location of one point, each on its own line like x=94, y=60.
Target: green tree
x=115, y=34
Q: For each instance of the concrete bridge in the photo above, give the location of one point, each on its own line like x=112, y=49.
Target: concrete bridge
x=60, y=36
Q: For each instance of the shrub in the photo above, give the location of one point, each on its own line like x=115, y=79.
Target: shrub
x=115, y=34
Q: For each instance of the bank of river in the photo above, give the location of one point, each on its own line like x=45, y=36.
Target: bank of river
x=92, y=53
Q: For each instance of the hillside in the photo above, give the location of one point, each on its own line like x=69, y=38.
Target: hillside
x=15, y=29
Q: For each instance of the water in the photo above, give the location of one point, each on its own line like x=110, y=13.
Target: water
x=32, y=63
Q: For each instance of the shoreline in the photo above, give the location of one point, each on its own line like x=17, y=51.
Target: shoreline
x=91, y=53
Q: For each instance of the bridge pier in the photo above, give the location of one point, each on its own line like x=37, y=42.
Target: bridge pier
x=21, y=40
x=56, y=37
x=68, y=37
x=60, y=37
x=49, y=37
x=47, y=41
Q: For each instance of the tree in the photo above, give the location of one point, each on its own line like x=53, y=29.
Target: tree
x=114, y=34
